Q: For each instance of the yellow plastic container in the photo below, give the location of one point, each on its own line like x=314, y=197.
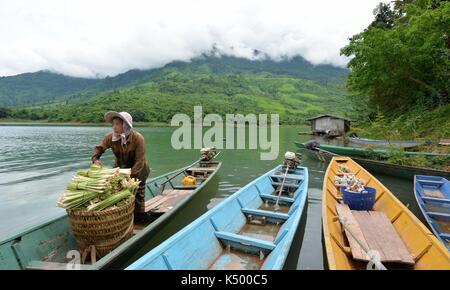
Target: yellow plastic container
x=189, y=180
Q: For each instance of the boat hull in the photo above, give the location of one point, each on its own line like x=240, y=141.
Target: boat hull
x=242, y=232
x=379, y=153
x=375, y=166
x=433, y=197
x=425, y=249
x=383, y=143
x=51, y=245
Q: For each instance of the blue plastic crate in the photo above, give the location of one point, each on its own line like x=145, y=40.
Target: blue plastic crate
x=359, y=201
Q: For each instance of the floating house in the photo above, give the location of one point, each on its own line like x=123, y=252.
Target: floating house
x=329, y=125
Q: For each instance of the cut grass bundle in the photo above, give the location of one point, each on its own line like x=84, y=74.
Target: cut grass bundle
x=89, y=184
x=98, y=188
x=110, y=201
x=75, y=199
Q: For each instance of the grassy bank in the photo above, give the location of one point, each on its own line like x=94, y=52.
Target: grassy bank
x=414, y=124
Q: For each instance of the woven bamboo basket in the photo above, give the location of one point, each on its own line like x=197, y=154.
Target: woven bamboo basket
x=105, y=230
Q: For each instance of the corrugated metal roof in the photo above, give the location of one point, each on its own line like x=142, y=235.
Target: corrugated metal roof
x=331, y=116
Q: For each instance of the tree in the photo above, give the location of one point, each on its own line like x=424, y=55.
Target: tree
x=385, y=16
x=397, y=66
x=5, y=113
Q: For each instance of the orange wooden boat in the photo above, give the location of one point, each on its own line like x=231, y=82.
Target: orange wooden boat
x=425, y=249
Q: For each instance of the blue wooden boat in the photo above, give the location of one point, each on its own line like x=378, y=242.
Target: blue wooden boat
x=52, y=245
x=383, y=143
x=433, y=196
x=243, y=232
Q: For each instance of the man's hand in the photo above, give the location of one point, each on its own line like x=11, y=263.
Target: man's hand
x=98, y=162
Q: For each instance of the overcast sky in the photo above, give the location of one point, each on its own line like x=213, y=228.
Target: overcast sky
x=98, y=38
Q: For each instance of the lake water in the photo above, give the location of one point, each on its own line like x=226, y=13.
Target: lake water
x=36, y=163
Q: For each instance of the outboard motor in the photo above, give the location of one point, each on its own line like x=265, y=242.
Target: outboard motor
x=208, y=153
x=312, y=145
x=292, y=160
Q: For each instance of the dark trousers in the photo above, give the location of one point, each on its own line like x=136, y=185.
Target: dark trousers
x=139, y=202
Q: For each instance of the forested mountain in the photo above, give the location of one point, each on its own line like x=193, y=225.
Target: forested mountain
x=39, y=87
x=46, y=87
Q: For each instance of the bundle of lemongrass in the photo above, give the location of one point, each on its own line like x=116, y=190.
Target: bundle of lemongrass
x=98, y=188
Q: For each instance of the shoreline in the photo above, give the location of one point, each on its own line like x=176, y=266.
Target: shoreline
x=4, y=122
x=16, y=122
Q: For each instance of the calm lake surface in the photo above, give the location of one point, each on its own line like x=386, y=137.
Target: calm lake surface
x=37, y=162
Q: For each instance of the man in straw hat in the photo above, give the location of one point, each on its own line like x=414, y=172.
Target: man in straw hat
x=129, y=148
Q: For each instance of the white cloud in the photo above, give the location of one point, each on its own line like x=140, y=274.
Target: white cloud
x=99, y=38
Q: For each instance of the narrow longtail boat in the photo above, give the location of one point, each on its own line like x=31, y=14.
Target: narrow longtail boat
x=373, y=166
x=433, y=196
x=383, y=143
x=51, y=244
x=251, y=229
x=379, y=153
x=389, y=231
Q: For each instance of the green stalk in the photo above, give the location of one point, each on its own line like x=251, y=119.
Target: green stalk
x=110, y=201
x=70, y=200
x=110, y=186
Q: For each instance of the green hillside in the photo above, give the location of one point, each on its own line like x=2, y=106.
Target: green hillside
x=293, y=88
x=174, y=92
x=45, y=87
x=39, y=87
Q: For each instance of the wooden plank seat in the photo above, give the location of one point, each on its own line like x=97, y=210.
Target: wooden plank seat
x=185, y=187
x=272, y=197
x=166, y=201
x=202, y=169
x=266, y=213
x=351, y=225
x=294, y=185
x=288, y=176
x=438, y=215
x=245, y=240
x=445, y=236
x=437, y=200
x=375, y=230
x=430, y=182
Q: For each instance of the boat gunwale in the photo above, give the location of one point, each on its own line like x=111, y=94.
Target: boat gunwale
x=205, y=216
x=326, y=233
x=327, y=236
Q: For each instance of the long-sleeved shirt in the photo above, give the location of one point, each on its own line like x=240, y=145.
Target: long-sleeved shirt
x=130, y=156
